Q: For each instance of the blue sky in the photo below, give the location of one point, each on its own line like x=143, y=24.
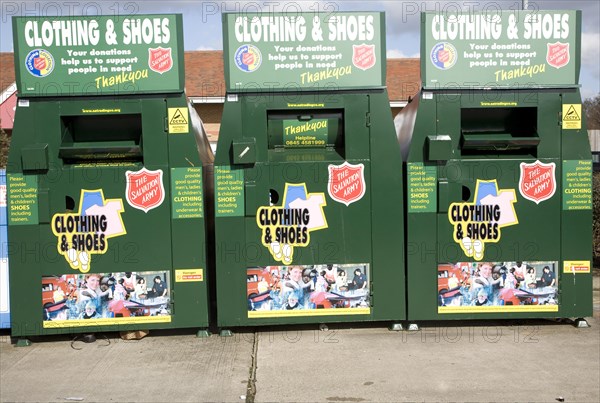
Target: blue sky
x=202, y=20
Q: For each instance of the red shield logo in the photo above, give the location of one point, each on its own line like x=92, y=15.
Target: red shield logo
x=558, y=54
x=160, y=59
x=363, y=56
x=538, y=181
x=443, y=56
x=247, y=58
x=145, y=189
x=39, y=63
x=346, y=182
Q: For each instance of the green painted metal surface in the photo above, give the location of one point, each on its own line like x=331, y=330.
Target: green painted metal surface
x=499, y=205
x=362, y=231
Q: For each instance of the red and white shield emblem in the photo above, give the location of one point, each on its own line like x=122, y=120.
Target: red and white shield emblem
x=346, y=182
x=443, y=56
x=39, y=63
x=558, y=54
x=363, y=56
x=160, y=59
x=145, y=189
x=538, y=181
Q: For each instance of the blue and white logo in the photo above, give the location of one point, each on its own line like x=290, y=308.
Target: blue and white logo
x=443, y=55
x=248, y=58
x=39, y=62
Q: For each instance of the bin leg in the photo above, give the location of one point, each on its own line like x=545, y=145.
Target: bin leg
x=225, y=333
x=202, y=334
x=23, y=343
x=413, y=327
x=323, y=327
x=88, y=338
x=395, y=327
x=581, y=323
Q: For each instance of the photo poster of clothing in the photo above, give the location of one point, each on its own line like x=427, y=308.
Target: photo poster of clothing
x=328, y=289
x=471, y=287
x=96, y=299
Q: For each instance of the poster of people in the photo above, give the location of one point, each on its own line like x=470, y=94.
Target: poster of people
x=105, y=299
x=332, y=289
x=471, y=287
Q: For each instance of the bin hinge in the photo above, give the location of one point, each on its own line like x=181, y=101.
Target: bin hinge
x=560, y=119
x=172, y=301
x=166, y=124
x=368, y=119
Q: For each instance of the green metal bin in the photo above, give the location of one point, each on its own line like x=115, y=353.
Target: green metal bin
x=308, y=177
x=105, y=179
x=498, y=169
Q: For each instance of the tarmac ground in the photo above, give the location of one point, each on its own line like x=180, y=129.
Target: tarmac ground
x=512, y=361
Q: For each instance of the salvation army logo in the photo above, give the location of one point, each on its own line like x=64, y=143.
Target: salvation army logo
x=248, y=58
x=537, y=182
x=363, y=56
x=346, y=182
x=443, y=55
x=558, y=54
x=144, y=190
x=39, y=62
x=160, y=59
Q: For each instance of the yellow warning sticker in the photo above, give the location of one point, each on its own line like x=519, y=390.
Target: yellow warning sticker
x=577, y=266
x=178, y=120
x=571, y=115
x=188, y=275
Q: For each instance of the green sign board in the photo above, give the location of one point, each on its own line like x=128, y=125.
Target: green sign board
x=303, y=51
x=422, y=188
x=100, y=55
x=298, y=134
x=186, y=190
x=21, y=197
x=229, y=192
x=577, y=185
x=500, y=49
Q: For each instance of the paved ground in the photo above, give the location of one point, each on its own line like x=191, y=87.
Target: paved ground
x=155, y=369
x=521, y=361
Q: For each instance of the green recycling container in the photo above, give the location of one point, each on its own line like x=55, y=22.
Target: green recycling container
x=498, y=169
x=308, y=175
x=106, y=206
